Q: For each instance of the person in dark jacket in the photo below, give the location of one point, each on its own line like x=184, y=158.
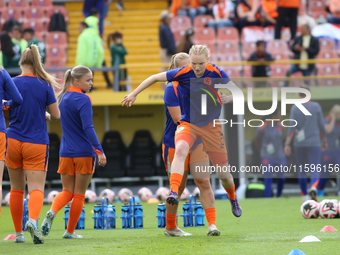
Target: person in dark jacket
x=166, y=39
x=260, y=55
x=304, y=47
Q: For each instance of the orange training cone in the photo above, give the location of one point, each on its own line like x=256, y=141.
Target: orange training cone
x=328, y=228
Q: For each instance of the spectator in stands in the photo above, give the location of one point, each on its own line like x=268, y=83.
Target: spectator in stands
x=197, y=8
x=186, y=43
x=260, y=55
x=16, y=36
x=28, y=35
x=304, y=47
x=269, y=13
x=222, y=11
x=247, y=13
x=166, y=39
x=288, y=12
x=90, y=52
x=334, y=7
x=93, y=20
x=11, y=53
x=180, y=7
x=118, y=53
x=95, y=8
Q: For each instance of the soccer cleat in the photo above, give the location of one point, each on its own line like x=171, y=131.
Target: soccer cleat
x=213, y=231
x=172, y=198
x=175, y=232
x=67, y=235
x=19, y=239
x=47, y=223
x=236, y=208
x=35, y=233
x=312, y=194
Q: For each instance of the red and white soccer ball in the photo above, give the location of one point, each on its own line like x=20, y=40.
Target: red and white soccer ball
x=51, y=196
x=162, y=193
x=7, y=198
x=196, y=192
x=145, y=194
x=107, y=193
x=185, y=195
x=90, y=196
x=328, y=209
x=124, y=195
x=310, y=209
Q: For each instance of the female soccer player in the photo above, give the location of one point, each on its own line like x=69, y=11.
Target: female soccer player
x=202, y=75
x=28, y=142
x=331, y=156
x=307, y=136
x=197, y=157
x=78, y=149
x=8, y=91
x=268, y=140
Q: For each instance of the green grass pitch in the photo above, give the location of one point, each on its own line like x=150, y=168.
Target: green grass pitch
x=267, y=226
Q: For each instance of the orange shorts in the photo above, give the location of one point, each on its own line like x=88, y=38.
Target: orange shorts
x=211, y=137
x=2, y=146
x=72, y=166
x=195, y=155
x=29, y=156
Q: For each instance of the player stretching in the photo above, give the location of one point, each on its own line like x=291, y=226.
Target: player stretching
x=8, y=89
x=187, y=132
x=78, y=148
x=28, y=141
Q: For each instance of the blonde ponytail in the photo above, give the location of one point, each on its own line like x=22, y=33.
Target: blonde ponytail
x=176, y=58
x=31, y=57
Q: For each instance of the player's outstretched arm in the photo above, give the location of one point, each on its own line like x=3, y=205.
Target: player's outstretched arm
x=131, y=98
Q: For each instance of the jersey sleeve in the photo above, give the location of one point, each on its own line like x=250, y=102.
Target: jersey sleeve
x=170, y=75
x=87, y=124
x=170, y=97
x=11, y=91
x=50, y=95
x=179, y=74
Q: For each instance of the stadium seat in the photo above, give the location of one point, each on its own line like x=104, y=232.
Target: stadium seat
x=201, y=21
x=116, y=154
x=40, y=36
x=232, y=71
x=228, y=34
x=56, y=54
x=42, y=3
x=322, y=15
x=53, y=162
x=228, y=48
x=205, y=35
x=327, y=45
x=56, y=9
x=280, y=56
x=2, y=4
x=35, y=14
x=59, y=76
x=13, y=13
x=178, y=35
x=56, y=40
x=142, y=155
x=279, y=70
x=326, y=55
x=54, y=63
x=247, y=74
x=18, y=3
x=327, y=69
x=277, y=46
x=316, y=5
x=37, y=25
x=252, y=34
x=180, y=23
x=247, y=49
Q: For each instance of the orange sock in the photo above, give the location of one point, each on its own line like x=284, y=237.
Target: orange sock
x=16, y=205
x=75, y=212
x=171, y=221
x=175, y=181
x=231, y=192
x=61, y=200
x=210, y=214
x=35, y=203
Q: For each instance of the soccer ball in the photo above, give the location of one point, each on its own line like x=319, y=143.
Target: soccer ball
x=328, y=209
x=185, y=195
x=145, y=194
x=51, y=196
x=7, y=198
x=125, y=194
x=196, y=192
x=90, y=196
x=310, y=209
x=162, y=193
x=107, y=193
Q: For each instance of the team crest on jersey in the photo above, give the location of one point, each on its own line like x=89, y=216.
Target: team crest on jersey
x=207, y=81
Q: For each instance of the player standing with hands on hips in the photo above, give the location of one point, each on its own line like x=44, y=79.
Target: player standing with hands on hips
x=78, y=149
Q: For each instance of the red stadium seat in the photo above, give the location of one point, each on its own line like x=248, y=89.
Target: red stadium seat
x=13, y=13
x=318, y=15
x=56, y=40
x=328, y=70
x=247, y=74
x=232, y=71
x=316, y=5
x=211, y=47
x=205, y=35
x=201, y=20
x=326, y=55
x=180, y=23
x=40, y=36
x=18, y=3
x=34, y=14
x=42, y=3
x=230, y=58
x=178, y=35
x=228, y=48
x=2, y=4
x=327, y=45
x=56, y=54
x=280, y=56
x=277, y=46
x=57, y=9
x=53, y=63
x=279, y=70
x=228, y=34
x=35, y=24
x=247, y=49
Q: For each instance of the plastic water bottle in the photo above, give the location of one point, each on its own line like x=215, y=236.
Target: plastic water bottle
x=199, y=214
x=186, y=210
x=139, y=215
x=161, y=215
x=109, y=217
x=96, y=217
x=126, y=217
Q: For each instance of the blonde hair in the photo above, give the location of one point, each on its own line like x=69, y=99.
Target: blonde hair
x=335, y=109
x=70, y=75
x=198, y=50
x=31, y=57
x=176, y=58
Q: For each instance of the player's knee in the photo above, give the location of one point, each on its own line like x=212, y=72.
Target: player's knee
x=181, y=152
x=202, y=183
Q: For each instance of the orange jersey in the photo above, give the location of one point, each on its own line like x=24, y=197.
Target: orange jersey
x=269, y=6
x=289, y=3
